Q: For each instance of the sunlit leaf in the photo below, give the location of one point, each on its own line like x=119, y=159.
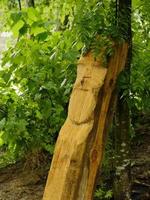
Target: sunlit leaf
x=17, y=27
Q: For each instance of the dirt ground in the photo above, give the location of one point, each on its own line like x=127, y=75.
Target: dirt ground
x=140, y=170
x=20, y=183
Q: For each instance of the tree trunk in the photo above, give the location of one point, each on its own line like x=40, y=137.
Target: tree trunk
x=122, y=181
x=122, y=149
x=80, y=145
x=19, y=2
x=30, y=3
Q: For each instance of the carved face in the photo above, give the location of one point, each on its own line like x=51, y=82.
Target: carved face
x=90, y=77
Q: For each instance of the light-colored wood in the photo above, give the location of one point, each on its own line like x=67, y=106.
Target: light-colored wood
x=79, y=148
x=115, y=66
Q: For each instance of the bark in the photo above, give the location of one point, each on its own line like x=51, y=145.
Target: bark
x=19, y=2
x=30, y=3
x=80, y=145
x=122, y=181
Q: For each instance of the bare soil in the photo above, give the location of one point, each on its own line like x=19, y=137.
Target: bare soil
x=20, y=183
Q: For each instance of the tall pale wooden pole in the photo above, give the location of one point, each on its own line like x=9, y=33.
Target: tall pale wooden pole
x=80, y=145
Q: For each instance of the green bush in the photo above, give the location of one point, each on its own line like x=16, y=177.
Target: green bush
x=35, y=82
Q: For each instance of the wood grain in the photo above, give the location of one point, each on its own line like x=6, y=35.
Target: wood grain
x=80, y=145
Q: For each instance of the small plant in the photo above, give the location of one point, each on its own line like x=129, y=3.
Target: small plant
x=103, y=194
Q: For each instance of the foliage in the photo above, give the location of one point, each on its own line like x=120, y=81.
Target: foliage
x=34, y=83
x=38, y=70
x=103, y=194
x=140, y=72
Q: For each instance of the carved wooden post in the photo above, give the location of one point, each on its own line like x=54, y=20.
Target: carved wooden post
x=80, y=145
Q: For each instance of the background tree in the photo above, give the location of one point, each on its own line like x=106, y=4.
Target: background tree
x=30, y=3
x=122, y=118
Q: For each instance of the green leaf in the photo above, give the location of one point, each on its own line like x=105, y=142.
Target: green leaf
x=49, y=148
x=17, y=27
x=37, y=30
x=79, y=45
x=42, y=36
x=1, y=140
x=108, y=194
x=6, y=77
x=15, y=16
x=32, y=14
x=38, y=114
x=2, y=123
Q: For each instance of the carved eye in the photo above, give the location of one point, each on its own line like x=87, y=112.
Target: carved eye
x=82, y=81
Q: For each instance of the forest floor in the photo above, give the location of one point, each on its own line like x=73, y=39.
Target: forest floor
x=18, y=182
x=140, y=171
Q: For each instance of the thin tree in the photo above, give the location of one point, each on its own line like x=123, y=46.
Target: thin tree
x=122, y=117
x=19, y=2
